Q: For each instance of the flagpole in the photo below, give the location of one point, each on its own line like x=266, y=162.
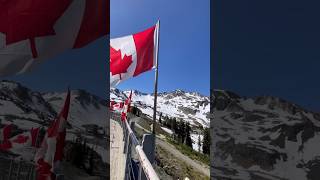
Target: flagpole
x=156, y=80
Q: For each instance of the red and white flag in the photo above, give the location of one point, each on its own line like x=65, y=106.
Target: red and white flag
x=116, y=106
x=5, y=132
x=132, y=55
x=26, y=139
x=49, y=155
x=32, y=31
x=126, y=107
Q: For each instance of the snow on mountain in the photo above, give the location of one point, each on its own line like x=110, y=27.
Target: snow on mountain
x=188, y=106
x=27, y=109
x=85, y=108
x=195, y=141
x=265, y=138
x=23, y=107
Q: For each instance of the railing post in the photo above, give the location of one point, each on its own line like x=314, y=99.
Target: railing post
x=125, y=138
x=132, y=124
x=126, y=172
x=148, y=148
x=124, y=130
x=31, y=172
x=140, y=171
x=10, y=169
x=128, y=151
x=18, y=172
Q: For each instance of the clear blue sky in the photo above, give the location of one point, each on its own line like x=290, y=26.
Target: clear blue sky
x=184, y=55
x=268, y=48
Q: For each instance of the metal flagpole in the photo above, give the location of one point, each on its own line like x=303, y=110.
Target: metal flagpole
x=156, y=79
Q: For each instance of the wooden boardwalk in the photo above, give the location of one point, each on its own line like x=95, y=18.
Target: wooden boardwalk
x=117, y=157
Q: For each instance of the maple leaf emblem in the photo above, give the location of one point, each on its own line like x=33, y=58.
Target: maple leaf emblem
x=27, y=19
x=119, y=65
x=21, y=139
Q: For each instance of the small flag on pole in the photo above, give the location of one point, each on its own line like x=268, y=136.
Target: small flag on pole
x=116, y=106
x=49, y=155
x=26, y=139
x=126, y=107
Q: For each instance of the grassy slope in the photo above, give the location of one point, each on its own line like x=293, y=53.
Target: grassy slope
x=172, y=166
x=176, y=168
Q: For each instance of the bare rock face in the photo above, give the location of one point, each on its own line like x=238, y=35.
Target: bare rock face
x=263, y=138
x=15, y=97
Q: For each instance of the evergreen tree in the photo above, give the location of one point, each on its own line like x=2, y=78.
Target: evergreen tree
x=206, y=141
x=160, y=118
x=199, y=143
x=181, y=131
x=188, y=135
x=174, y=125
x=166, y=122
x=176, y=129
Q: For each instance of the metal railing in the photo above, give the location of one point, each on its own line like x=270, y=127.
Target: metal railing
x=138, y=166
x=12, y=169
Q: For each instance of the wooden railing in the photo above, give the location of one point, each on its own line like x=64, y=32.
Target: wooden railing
x=138, y=166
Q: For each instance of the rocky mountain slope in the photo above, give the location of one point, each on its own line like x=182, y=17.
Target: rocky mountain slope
x=263, y=138
x=188, y=106
x=26, y=109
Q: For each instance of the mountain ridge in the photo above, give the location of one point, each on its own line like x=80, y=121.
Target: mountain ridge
x=22, y=102
x=189, y=106
x=263, y=137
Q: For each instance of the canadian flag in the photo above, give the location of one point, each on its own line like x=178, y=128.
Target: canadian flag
x=26, y=139
x=126, y=107
x=132, y=55
x=49, y=155
x=5, y=132
x=116, y=106
x=32, y=31
x=4, y=137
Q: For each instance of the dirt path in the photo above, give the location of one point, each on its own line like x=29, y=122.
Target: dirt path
x=194, y=164
x=170, y=148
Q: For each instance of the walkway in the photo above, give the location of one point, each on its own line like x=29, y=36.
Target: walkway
x=117, y=158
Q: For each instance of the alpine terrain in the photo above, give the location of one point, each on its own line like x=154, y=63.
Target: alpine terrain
x=181, y=120
x=263, y=138
x=191, y=107
x=86, y=137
